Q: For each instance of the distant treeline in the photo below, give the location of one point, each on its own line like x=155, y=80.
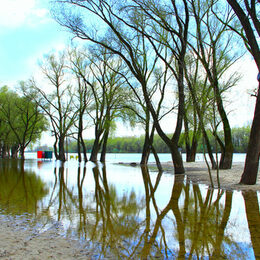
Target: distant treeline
x=240, y=138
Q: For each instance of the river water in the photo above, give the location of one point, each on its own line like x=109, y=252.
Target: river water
x=126, y=212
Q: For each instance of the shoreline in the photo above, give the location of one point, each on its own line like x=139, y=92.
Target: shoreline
x=197, y=172
x=21, y=240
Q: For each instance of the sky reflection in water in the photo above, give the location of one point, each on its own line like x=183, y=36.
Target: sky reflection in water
x=129, y=212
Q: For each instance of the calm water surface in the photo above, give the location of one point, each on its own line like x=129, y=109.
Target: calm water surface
x=130, y=213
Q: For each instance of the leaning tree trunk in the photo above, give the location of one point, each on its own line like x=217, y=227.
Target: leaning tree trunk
x=227, y=154
x=146, y=149
x=95, y=147
x=157, y=160
x=249, y=175
x=209, y=150
x=147, y=142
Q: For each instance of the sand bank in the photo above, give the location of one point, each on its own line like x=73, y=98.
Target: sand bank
x=229, y=179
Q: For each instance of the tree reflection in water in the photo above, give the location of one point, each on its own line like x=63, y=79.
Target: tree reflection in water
x=124, y=224
x=253, y=219
x=21, y=191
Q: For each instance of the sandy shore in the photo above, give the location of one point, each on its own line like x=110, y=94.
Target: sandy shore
x=19, y=240
x=229, y=179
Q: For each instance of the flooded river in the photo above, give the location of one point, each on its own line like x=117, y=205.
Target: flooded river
x=125, y=212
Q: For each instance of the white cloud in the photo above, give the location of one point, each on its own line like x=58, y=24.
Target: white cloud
x=16, y=13
x=243, y=103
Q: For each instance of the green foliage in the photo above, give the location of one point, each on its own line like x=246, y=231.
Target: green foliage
x=240, y=137
x=21, y=122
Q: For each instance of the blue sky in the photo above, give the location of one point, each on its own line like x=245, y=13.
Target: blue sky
x=27, y=32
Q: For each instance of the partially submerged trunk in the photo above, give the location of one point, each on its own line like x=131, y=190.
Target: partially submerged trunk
x=61, y=154
x=94, y=151
x=14, y=151
x=79, y=147
x=55, y=149
x=104, y=147
x=146, y=150
x=84, y=149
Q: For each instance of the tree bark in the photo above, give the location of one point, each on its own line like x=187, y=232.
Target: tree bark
x=146, y=149
x=84, y=149
x=104, y=146
x=61, y=154
x=79, y=146
x=227, y=154
x=95, y=147
x=249, y=175
x=55, y=149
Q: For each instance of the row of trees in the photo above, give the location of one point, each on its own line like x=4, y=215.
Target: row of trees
x=21, y=123
x=147, y=61
x=240, y=137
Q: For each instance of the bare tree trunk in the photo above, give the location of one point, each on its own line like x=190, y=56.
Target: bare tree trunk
x=104, y=146
x=14, y=151
x=95, y=150
x=157, y=160
x=249, y=175
x=146, y=149
x=61, y=155
x=227, y=153
x=84, y=149
x=79, y=146
x=55, y=149
x=22, y=148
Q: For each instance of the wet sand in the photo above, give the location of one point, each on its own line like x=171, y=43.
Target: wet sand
x=18, y=240
x=197, y=172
